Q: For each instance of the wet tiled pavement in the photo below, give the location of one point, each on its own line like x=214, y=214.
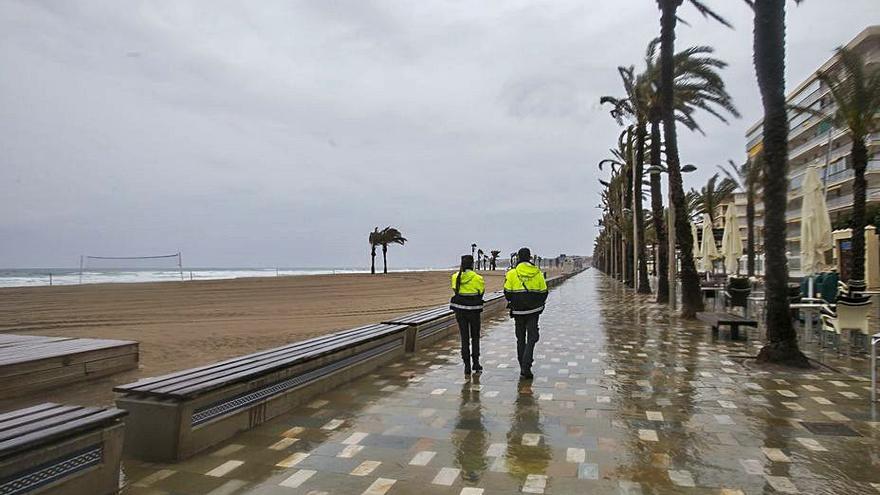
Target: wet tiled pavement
x=625, y=400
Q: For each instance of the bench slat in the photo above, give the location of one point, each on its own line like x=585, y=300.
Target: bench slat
x=36, y=416
x=66, y=416
x=210, y=382
x=199, y=380
x=24, y=412
x=73, y=425
x=287, y=350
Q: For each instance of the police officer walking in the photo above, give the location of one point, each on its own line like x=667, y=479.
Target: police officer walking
x=526, y=292
x=467, y=302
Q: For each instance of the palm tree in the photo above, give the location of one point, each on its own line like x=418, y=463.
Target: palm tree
x=493, y=260
x=714, y=194
x=691, y=296
x=632, y=106
x=374, y=241
x=856, y=91
x=697, y=86
x=769, y=59
x=748, y=178
x=389, y=235
x=614, y=199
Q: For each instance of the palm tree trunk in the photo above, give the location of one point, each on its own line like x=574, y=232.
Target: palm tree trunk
x=860, y=163
x=644, y=285
x=691, y=296
x=750, y=230
x=769, y=58
x=661, y=263
x=385, y=258
x=373, y=260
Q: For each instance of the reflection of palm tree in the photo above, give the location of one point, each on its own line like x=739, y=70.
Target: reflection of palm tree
x=523, y=460
x=471, y=444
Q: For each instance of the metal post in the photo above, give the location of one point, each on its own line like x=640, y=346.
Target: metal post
x=673, y=268
x=636, y=187
x=80, y=269
x=180, y=265
x=874, y=340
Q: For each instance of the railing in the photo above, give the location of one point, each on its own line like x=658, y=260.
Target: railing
x=816, y=140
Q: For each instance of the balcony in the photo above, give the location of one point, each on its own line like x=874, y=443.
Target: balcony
x=819, y=139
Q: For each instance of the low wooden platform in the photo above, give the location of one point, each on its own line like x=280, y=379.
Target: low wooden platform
x=33, y=362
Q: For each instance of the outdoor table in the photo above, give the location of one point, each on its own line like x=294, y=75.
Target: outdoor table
x=809, y=308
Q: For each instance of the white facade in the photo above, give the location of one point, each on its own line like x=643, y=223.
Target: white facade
x=808, y=146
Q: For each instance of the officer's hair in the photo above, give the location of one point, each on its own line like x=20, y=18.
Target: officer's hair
x=467, y=263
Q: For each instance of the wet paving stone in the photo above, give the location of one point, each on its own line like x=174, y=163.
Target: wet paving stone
x=627, y=399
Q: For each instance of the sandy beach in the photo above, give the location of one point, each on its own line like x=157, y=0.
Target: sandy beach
x=184, y=324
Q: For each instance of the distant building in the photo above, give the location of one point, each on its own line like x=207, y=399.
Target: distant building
x=809, y=139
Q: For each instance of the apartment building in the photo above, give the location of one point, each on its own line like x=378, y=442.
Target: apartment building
x=814, y=143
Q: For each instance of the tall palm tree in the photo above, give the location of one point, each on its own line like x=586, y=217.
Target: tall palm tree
x=493, y=260
x=715, y=193
x=633, y=106
x=769, y=59
x=748, y=178
x=856, y=90
x=691, y=296
x=697, y=86
x=618, y=192
x=375, y=237
x=389, y=235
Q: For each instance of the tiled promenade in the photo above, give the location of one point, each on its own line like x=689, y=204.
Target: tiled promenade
x=625, y=400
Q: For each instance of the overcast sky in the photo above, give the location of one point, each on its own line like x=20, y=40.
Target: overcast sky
x=279, y=133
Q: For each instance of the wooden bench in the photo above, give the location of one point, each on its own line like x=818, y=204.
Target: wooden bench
x=432, y=325
x=717, y=320
x=64, y=450
x=177, y=415
x=33, y=362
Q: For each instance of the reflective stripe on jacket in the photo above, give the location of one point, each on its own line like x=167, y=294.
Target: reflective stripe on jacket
x=525, y=289
x=470, y=292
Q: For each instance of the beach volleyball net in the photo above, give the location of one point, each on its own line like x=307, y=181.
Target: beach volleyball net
x=161, y=262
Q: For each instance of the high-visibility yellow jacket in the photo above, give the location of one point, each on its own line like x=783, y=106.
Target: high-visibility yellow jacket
x=469, y=294
x=525, y=289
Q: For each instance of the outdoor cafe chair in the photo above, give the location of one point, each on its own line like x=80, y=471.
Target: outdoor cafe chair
x=849, y=314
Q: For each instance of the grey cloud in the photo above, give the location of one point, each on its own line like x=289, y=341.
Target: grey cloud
x=280, y=133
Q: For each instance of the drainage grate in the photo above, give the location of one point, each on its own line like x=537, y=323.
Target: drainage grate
x=830, y=429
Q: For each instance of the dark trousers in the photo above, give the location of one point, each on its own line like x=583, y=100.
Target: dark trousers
x=469, y=328
x=526, y=337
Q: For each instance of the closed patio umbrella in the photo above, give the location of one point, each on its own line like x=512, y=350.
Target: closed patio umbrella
x=708, y=248
x=731, y=243
x=696, y=247
x=815, y=226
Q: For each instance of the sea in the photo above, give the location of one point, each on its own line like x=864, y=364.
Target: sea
x=29, y=277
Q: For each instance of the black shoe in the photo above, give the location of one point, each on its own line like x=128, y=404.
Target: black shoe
x=526, y=374
x=477, y=367
x=467, y=371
